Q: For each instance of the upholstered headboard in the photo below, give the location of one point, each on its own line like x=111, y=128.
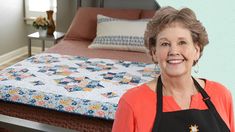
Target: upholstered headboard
x=100, y=3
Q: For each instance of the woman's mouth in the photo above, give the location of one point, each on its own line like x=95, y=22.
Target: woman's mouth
x=175, y=61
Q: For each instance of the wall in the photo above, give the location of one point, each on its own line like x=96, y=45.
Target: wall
x=12, y=33
x=66, y=10
x=217, y=62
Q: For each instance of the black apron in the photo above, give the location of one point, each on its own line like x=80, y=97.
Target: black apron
x=190, y=120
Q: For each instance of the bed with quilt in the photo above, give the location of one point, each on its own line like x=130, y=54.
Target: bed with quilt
x=77, y=83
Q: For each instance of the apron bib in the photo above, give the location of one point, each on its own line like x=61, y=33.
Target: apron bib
x=191, y=120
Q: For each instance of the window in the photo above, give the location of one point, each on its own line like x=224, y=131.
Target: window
x=35, y=8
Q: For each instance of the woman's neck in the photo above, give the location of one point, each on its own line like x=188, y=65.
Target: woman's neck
x=178, y=86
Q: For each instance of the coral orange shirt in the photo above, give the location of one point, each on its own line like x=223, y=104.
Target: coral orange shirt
x=137, y=107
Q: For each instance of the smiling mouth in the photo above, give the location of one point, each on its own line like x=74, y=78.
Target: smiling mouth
x=175, y=61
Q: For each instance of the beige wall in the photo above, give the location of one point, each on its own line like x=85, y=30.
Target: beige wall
x=12, y=28
x=66, y=9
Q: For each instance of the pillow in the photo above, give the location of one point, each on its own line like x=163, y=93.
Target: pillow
x=119, y=34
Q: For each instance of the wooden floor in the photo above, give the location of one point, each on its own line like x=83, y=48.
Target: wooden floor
x=14, y=124
x=13, y=61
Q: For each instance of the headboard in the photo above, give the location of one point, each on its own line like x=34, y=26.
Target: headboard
x=100, y=3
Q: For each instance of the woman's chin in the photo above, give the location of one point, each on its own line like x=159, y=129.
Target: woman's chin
x=175, y=73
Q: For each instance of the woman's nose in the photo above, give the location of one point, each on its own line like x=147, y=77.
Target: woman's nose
x=173, y=50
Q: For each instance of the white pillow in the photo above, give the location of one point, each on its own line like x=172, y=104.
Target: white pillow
x=119, y=34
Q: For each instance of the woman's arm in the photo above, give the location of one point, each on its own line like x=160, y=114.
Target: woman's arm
x=231, y=113
x=124, y=118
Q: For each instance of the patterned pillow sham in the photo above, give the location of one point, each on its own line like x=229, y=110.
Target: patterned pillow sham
x=119, y=34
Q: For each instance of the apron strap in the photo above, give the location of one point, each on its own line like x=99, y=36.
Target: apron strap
x=158, y=104
x=206, y=99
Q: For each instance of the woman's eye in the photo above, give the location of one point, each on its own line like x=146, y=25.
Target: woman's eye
x=165, y=44
x=182, y=42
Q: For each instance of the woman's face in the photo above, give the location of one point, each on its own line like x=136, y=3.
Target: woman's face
x=175, y=50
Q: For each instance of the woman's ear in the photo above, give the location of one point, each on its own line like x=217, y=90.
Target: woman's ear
x=197, y=51
x=153, y=52
x=154, y=56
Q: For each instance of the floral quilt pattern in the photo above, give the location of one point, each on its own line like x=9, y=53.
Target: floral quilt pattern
x=16, y=74
x=95, y=66
x=122, y=78
x=58, y=70
x=80, y=85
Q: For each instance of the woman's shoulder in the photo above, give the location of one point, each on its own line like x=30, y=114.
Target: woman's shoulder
x=216, y=89
x=215, y=86
x=139, y=93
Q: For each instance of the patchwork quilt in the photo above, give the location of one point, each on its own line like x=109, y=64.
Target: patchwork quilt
x=86, y=86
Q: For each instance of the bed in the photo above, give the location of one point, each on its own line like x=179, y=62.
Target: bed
x=74, y=86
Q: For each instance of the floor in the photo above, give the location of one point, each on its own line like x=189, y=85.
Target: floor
x=14, y=124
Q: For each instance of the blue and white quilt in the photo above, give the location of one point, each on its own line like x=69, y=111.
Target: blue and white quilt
x=86, y=86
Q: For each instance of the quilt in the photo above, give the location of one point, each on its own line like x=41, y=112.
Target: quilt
x=75, y=84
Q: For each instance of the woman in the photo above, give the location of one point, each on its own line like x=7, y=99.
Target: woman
x=175, y=101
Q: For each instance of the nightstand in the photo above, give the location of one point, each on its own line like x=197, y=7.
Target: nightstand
x=55, y=37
